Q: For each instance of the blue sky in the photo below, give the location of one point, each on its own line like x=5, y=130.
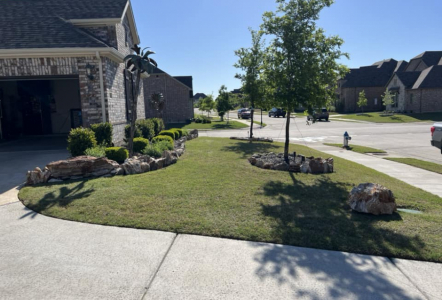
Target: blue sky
x=198, y=37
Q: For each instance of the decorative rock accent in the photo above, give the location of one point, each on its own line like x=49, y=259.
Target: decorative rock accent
x=254, y=139
x=82, y=166
x=372, y=198
x=297, y=163
x=37, y=176
x=88, y=166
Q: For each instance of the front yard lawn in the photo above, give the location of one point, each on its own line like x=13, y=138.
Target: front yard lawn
x=214, y=191
x=426, y=165
x=359, y=149
x=377, y=117
x=216, y=124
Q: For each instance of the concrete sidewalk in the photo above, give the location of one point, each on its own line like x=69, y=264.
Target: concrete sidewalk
x=423, y=179
x=47, y=258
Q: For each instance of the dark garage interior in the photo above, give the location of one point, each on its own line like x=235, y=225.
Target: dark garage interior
x=30, y=107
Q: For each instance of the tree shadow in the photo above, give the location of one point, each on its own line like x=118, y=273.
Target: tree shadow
x=62, y=198
x=317, y=216
x=249, y=148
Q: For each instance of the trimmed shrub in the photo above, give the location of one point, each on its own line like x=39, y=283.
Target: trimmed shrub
x=99, y=151
x=153, y=151
x=119, y=154
x=170, y=133
x=140, y=144
x=185, y=132
x=147, y=128
x=79, y=140
x=162, y=138
x=103, y=133
x=179, y=130
x=164, y=145
x=127, y=132
x=158, y=125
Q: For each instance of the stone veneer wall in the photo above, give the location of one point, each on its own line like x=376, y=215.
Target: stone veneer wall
x=424, y=100
x=178, y=105
x=57, y=66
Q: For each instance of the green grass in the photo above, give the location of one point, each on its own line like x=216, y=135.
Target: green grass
x=214, y=191
x=359, y=149
x=216, y=124
x=422, y=164
x=259, y=123
x=396, y=118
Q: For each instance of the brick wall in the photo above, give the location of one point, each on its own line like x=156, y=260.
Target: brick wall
x=89, y=89
x=350, y=97
x=105, y=33
x=425, y=100
x=178, y=105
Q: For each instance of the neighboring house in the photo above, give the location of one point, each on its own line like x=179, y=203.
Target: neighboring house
x=61, y=65
x=417, y=91
x=372, y=79
x=199, y=96
x=178, y=96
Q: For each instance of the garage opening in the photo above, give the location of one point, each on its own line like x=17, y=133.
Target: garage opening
x=39, y=106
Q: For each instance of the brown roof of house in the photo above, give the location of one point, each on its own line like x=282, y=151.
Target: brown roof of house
x=430, y=58
x=429, y=78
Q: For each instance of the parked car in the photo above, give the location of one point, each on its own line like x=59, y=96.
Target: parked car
x=240, y=112
x=319, y=115
x=276, y=113
x=245, y=114
x=436, y=136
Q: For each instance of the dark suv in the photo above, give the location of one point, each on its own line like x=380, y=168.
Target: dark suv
x=244, y=113
x=276, y=112
x=319, y=115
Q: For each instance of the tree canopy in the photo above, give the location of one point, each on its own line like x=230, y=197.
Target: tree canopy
x=223, y=103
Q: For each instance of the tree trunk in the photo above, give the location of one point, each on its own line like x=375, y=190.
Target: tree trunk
x=251, y=123
x=287, y=138
x=134, y=105
x=222, y=117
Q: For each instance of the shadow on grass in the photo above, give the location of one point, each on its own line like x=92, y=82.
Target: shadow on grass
x=317, y=216
x=62, y=198
x=249, y=148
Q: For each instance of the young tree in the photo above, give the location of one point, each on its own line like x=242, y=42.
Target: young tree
x=137, y=64
x=387, y=99
x=207, y=104
x=222, y=103
x=301, y=62
x=250, y=61
x=362, y=100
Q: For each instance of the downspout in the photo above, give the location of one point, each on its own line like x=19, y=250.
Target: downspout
x=103, y=103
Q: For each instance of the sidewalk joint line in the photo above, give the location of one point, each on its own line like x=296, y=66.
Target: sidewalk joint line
x=409, y=279
x=159, y=267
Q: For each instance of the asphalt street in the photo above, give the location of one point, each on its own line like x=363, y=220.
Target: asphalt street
x=398, y=139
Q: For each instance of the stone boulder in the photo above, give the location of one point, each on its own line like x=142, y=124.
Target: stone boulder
x=193, y=134
x=372, y=198
x=82, y=166
x=37, y=176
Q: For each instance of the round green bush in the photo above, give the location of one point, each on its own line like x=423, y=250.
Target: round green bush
x=162, y=138
x=158, y=125
x=98, y=151
x=179, y=130
x=147, y=128
x=170, y=133
x=185, y=132
x=137, y=132
x=153, y=150
x=119, y=154
x=79, y=140
x=164, y=145
x=103, y=133
x=140, y=144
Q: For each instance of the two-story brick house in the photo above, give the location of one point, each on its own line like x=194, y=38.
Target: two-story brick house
x=61, y=65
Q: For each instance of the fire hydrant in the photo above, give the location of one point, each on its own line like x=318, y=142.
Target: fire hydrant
x=347, y=138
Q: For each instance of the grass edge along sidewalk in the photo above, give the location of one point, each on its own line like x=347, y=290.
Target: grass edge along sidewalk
x=214, y=191
x=358, y=149
x=422, y=164
x=377, y=117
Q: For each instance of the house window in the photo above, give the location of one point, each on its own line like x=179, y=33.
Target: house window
x=395, y=100
x=375, y=101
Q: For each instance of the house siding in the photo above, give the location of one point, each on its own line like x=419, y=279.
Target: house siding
x=178, y=104
x=350, y=97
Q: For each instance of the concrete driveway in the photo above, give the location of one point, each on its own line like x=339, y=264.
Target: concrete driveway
x=18, y=157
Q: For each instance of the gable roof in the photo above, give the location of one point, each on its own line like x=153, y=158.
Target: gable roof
x=66, y=9
x=429, y=78
x=408, y=78
x=199, y=96
x=48, y=24
x=430, y=58
x=187, y=80
x=47, y=32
